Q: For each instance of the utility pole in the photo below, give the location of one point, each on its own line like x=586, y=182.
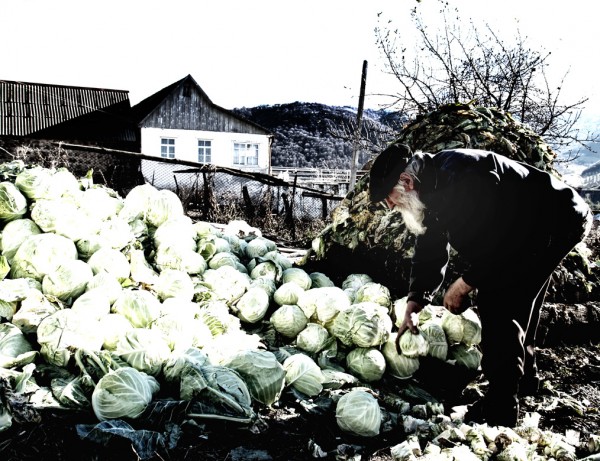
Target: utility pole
x=357, y=133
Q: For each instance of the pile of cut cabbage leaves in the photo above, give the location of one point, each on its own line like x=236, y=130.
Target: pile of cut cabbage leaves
x=125, y=308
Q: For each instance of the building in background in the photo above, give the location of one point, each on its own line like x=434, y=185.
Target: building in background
x=181, y=122
x=91, y=116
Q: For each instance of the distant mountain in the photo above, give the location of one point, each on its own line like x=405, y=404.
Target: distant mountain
x=311, y=135
x=574, y=161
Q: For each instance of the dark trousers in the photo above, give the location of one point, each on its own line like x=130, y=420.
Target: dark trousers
x=509, y=307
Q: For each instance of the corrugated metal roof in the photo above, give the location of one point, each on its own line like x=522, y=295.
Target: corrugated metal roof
x=27, y=108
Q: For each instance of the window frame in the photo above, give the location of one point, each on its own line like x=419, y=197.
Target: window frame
x=168, y=147
x=206, y=151
x=240, y=154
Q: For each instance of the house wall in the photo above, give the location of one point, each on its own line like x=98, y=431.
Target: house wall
x=222, y=146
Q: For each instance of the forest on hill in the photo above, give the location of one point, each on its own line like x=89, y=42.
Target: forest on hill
x=312, y=135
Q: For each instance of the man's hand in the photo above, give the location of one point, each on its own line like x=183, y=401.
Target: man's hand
x=412, y=307
x=454, y=299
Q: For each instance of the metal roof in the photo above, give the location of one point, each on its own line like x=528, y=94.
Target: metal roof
x=27, y=108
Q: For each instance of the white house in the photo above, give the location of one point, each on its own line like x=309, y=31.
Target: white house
x=181, y=122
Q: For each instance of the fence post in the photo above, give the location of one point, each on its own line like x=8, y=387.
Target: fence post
x=248, y=204
x=324, y=208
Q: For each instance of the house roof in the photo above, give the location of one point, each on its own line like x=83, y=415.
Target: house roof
x=144, y=108
x=29, y=108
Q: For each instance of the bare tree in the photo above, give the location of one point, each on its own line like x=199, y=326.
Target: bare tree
x=468, y=63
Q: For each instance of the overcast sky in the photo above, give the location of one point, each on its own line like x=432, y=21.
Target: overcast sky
x=248, y=53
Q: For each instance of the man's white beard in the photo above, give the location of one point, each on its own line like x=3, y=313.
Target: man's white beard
x=412, y=210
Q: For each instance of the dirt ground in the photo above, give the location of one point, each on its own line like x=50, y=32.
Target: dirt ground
x=300, y=430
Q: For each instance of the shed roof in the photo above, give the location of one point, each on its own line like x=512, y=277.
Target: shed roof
x=144, y=108
x=28, y=108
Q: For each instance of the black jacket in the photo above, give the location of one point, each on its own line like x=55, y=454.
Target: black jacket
x=490, y=209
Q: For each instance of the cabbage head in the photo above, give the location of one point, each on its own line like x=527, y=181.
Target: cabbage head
x=266, y=269
x=224, y=259
x=123, y=393
x=177, y=231
x=313, y=338
x=298, y=276
x=89, y=244
x=178, y=329
x=15, y=349
x=319, y=279
x=137, y=202
x=263, y=374
x=140, y=268
x=266, y=284
x=116, y=232
x=303, y=374
x=253, y=305
x=323, y=304
x=110, y=261
x=257, y=247
x=221, y=386
x=140, y=307
x=367, y=363
x=32, y=310
x=64, y=331
x=62, y=217
x=374, y=292
x=361, y=325
x=112, y=327
x=288, y=293
x=434, y=334
x=212, y=245
x=221, y=348
x=173, y=283
x=289, y=320
x=163, y=206
x=100, y=203
x=227, y=283
x=466, y=356
x=41, y=254
x=278, y=258
x=216, y=316
x=353, y=282
x=358, y=413
x=35, y=182
x=108, y=283
x=413, y=345
x=144, y=349
x=68, y=281
x=398, y=365
x=14, y=233
x=174, y=256
x=462, y=328
x=94, y=304
x=13, y=204
x=179, y=360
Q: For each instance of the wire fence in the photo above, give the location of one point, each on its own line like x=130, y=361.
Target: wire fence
x=292, y=207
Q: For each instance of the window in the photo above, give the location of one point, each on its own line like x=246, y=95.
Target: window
x=167, y=147
x=204, y=148
x=245, y=154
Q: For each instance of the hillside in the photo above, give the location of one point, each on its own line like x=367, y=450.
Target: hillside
x=319, y=136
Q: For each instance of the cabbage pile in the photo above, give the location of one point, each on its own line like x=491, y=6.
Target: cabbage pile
x=128, y=306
